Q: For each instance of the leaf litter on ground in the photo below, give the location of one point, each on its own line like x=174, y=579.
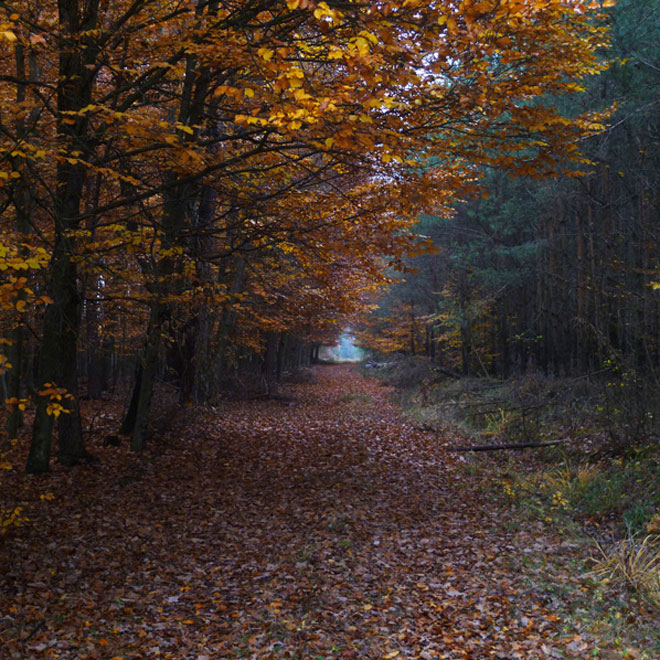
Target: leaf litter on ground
x=318, y=526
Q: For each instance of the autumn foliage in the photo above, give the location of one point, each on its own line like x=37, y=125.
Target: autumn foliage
x=213, y=181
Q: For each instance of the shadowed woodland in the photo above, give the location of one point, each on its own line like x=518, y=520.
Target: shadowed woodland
x=200, y=199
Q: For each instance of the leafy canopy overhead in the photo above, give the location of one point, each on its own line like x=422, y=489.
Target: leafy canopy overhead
x=308, y=121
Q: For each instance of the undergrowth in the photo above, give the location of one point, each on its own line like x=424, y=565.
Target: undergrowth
x=608, y=511
x=597, y=488
x=633, y=562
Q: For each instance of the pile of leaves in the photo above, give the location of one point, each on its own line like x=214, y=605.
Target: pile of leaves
x=317, y=525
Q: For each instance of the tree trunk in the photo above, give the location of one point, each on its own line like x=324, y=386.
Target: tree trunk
x=57, y=366
x=228, y=318
x=128, y=423
x=24, y=205
x=269, y=366
x=57, y=358
x=283, y=347
x=147, y=380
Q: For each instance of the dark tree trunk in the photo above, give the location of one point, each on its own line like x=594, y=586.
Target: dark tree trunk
x=128, y=423
x=269, y=368
x=282, y=355
x=57, y=358
x=147, y=380
x=228, y=319
x=23, y=199
x=108, y=364
x=57, y=366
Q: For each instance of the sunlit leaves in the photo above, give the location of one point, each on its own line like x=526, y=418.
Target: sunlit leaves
x=7, y=33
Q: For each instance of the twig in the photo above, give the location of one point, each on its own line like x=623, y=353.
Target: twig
x=35, y=630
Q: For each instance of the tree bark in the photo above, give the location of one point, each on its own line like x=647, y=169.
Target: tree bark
x=128, y=423
x=269, y=367
x=57, y=365
x=57, y=358
x=94, y=379
x=145, y=387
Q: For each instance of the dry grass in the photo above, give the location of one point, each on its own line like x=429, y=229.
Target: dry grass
x=571, y=480
x=634, y=562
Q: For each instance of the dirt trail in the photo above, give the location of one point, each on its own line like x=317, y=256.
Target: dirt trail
x=317, y=526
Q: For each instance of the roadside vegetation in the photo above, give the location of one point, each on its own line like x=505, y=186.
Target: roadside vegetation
x=591, y=482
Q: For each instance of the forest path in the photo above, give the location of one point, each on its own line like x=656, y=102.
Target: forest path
x=321, y=525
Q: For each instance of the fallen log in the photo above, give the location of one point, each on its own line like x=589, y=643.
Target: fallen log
x=524, y=445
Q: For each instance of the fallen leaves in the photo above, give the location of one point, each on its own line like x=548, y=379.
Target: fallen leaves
x=315, y=529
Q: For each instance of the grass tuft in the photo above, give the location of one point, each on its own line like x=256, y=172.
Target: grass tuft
x=633, y=562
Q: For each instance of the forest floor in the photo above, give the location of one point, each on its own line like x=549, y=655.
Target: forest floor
x=319, y=525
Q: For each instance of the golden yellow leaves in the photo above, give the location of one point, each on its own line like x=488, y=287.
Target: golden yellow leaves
x=292, y=5
x=11, y=518
x=369, y=36
x=6, y=33
x=55, y=409
x=4, y=364
x=14, y=402
x=250, y=120
x=227, y=90
x=12, y=259
x=295, y=77
x=359, y=44
x=387, y=158
x=323, y=12
x=449, y=22
x=56, y=396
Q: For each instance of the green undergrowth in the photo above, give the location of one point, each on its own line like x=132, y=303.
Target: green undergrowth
x=602, y=572
x=612, y=498
x=596, y=492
